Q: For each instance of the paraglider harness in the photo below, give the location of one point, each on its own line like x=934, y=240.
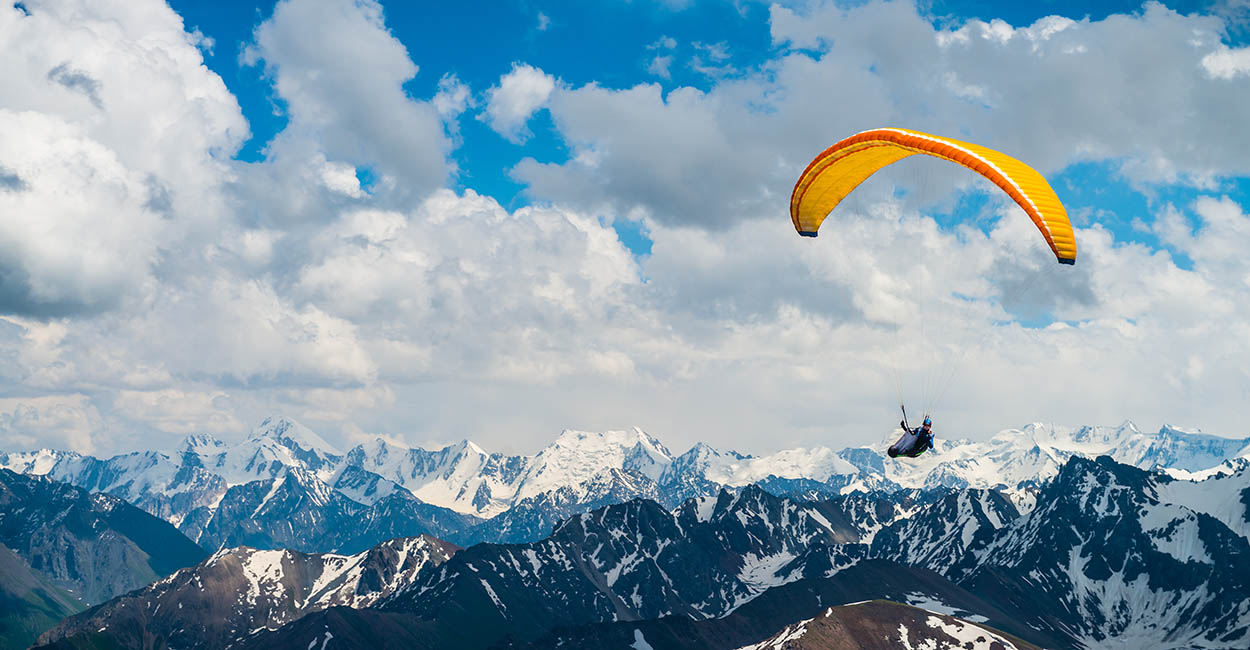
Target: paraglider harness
x=924, y=439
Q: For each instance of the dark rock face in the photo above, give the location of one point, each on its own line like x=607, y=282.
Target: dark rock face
x=94, y=546
x=636, y=561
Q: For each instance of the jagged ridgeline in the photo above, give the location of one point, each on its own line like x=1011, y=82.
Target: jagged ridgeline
x=286, y=487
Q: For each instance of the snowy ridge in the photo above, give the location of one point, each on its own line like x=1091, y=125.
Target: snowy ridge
x=1016, y=460
x=817, y=464
x=1224, y=496
x=1126, y=568
x=637, y=561
x=238, y=592
x=461, y=477
x=948, y=535
x=524, y=496
x=576, y=456
x=869, y=623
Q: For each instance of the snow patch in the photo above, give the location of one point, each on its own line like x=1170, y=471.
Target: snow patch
x=640, y=642
x=971, y=637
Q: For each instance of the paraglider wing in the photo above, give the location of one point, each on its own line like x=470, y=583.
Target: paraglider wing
x=838, y=170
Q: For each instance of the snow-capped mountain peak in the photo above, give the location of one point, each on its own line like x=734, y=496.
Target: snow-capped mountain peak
x=201, y=443
x=39, y=462
x=575, y=457
x=526, y=495
x=288, y=432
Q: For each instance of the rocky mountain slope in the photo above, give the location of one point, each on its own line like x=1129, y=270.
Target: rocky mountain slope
x=238, y=592
x=94, y=546
x=884, y=625
x=768, y=617
x=1105, y=559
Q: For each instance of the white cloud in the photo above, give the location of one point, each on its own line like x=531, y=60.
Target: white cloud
x=526, y=281
x=1227, y=63
x=341, y=73
x=520, y=94
x=712, y=62
x=660, y=65
x=182, y=412
x=59, y=256
x=1218, y=245
x=453, y=98
x=716, y=52
x=639, y=147
x=69, y=422
x=76, y=142
x=341, y=178
x=663, y=43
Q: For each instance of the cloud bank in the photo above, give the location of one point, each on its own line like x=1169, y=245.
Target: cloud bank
x=153, y=285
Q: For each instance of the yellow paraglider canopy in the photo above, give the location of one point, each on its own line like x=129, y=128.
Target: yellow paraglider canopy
x=838, y=170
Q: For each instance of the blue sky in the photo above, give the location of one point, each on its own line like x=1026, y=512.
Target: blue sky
x=574, y=214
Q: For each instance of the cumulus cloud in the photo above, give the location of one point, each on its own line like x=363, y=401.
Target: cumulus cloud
x=59, y=258
x=520, y=94
x=1227, y=63
x=342, y=178
x=88, y=182
x=66, y=423
x=341, y=73
x=218, y=291
x=667, y=154
x=453, y=98
x=527, y=281
x=660, y=65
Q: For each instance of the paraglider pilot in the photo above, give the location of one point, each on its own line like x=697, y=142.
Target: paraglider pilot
x=914, y=441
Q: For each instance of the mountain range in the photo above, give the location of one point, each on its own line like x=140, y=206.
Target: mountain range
x=284, y=473
x=1108, y=555
x=608, y=539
